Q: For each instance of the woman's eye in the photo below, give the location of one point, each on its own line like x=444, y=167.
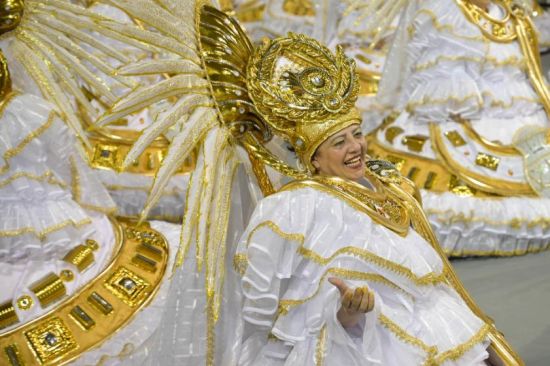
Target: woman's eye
x=339, y=143
x=358, y=134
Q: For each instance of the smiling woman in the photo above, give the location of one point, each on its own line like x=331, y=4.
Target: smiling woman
x=335, y=271
x=342, y=154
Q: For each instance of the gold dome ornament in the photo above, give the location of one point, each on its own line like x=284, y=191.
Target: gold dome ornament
x=304, y=91
x=11, y=12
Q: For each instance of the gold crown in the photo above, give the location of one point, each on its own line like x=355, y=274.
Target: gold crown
x=303, y=91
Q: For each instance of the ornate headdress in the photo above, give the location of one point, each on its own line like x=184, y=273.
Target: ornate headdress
x=303, y=91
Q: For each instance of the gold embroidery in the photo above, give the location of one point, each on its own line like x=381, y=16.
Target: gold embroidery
x=51, y=339
x=458, y=351
x=378, y=205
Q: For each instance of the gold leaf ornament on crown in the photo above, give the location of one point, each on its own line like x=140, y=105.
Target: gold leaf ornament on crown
x=303, y=91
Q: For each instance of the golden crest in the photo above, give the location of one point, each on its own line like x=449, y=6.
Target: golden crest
x=303, y=90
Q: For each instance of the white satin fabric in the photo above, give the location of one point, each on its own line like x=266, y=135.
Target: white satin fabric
x=279, y=267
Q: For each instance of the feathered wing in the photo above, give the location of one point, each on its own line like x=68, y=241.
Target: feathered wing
x=200, y=86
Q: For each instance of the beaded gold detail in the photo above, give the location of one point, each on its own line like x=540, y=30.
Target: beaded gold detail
x=51, y=339
x=321, y=347
x=127, y=286
x=81, y=256
x=49, y=289
x=8, y=316
x=25, y=302
x=66, y=275
x=84, y=320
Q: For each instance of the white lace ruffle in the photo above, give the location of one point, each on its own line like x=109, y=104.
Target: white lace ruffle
x=488, y=226
x=293, y=242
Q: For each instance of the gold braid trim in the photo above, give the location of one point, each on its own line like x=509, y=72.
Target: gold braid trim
x=510, y=61
x=286, y=304
x=10, y=153
x=42, y=234
x=46, y=177
x=321, y=348
x=428, y=279
x=444, y=27
x=457, y=352
x=433, y=356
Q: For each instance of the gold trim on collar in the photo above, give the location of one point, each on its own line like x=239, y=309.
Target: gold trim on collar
x=381, y=208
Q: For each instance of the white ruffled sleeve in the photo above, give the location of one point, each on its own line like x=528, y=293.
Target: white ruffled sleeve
x=275, y=269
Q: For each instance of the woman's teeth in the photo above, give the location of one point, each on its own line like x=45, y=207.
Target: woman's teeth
x=353, y=163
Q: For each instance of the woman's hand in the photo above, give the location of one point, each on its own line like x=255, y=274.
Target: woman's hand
x=355, y=302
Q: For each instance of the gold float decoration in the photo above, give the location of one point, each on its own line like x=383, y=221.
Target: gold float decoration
x=49, y=289
x=11, y=12
x=25, y=302
x=8, y=316
x=85, y=320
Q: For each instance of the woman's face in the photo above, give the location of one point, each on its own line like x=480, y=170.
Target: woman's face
x=342, y=154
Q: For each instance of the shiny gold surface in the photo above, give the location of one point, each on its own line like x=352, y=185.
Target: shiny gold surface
x=497, y=30
x=8, y=316
x=455, y=138
x=77, y=323
x=11, y=12
x=110, y=147
x=422, y=171
x=487, y=161
x=414, y=142
x=25, y=302
x=81, y=256
x=49, y=289
x=51, y=340
x=5, y=80
x=304, y=91
x=299, y=7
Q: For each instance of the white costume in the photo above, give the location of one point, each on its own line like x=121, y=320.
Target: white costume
x=301, y=236
x=58, y=246
x=461, y=99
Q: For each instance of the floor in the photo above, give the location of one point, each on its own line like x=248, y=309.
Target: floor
x=515, y=292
